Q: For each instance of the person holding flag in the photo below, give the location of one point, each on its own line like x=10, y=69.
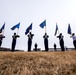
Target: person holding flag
x=15, y=36
x=72, y=36
x=46, y=41
x=61, y=41
x=30, y=37
x=1, y=34
x=74, y=40
x=42, y=25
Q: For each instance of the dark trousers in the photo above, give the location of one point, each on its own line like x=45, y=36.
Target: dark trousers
x=29, y=45
x=62, y=45
x=13, y=46
x=74, y=42
x=0, y=43
x=46, y=45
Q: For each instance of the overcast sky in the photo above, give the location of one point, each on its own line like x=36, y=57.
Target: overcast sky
x=36, y=11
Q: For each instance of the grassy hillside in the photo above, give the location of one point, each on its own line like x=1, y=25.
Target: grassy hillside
x=38, y=63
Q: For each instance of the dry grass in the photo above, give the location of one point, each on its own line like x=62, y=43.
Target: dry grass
x=38, y=63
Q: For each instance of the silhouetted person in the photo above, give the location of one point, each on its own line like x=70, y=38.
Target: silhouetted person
x=55, y=47
x=74, y=40
x=30, y=37
x=14, y=41
x=35, y=46
x=1, y=38
x=46, y=41
x=61, y=41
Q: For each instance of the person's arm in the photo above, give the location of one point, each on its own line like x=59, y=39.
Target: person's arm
x=3, y=36
x=27, y=35
x=44, y=36
x=47, y=36
x=57, y=36
x=17, y=36
x=33, y=34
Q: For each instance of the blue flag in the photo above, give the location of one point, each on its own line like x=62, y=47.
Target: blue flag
x=43, y=24
x=56, y=29
x=28, y=29
x=69, y=29
x=16, y=26
x=2, y=28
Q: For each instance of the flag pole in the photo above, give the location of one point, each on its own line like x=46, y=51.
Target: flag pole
x=58, y=31
x=31, y=29
x=17, y=31
x=45, y=26
x=3, y=30
x=45, y=29
x=18, y=28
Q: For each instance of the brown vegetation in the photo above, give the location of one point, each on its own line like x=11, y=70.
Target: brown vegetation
x=38, y=63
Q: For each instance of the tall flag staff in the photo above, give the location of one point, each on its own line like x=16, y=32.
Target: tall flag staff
x=45, y=26
x=15, y=36
x=30, y=36
x=42, y=25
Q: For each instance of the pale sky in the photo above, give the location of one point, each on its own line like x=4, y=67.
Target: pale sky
x=36, y=11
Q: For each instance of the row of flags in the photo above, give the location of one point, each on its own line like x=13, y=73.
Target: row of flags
x=69, y=31
x=42, y=25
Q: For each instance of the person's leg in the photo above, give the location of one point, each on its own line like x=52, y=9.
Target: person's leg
x=62, y=46
x=12, y=47
x=0, y=43
x=47, y=46
x=28, y=46
x=74, y=42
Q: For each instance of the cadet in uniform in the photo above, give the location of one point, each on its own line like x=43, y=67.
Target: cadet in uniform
x=14, y=41
x=30, y=37
x=61, y=41
x=46, y=41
